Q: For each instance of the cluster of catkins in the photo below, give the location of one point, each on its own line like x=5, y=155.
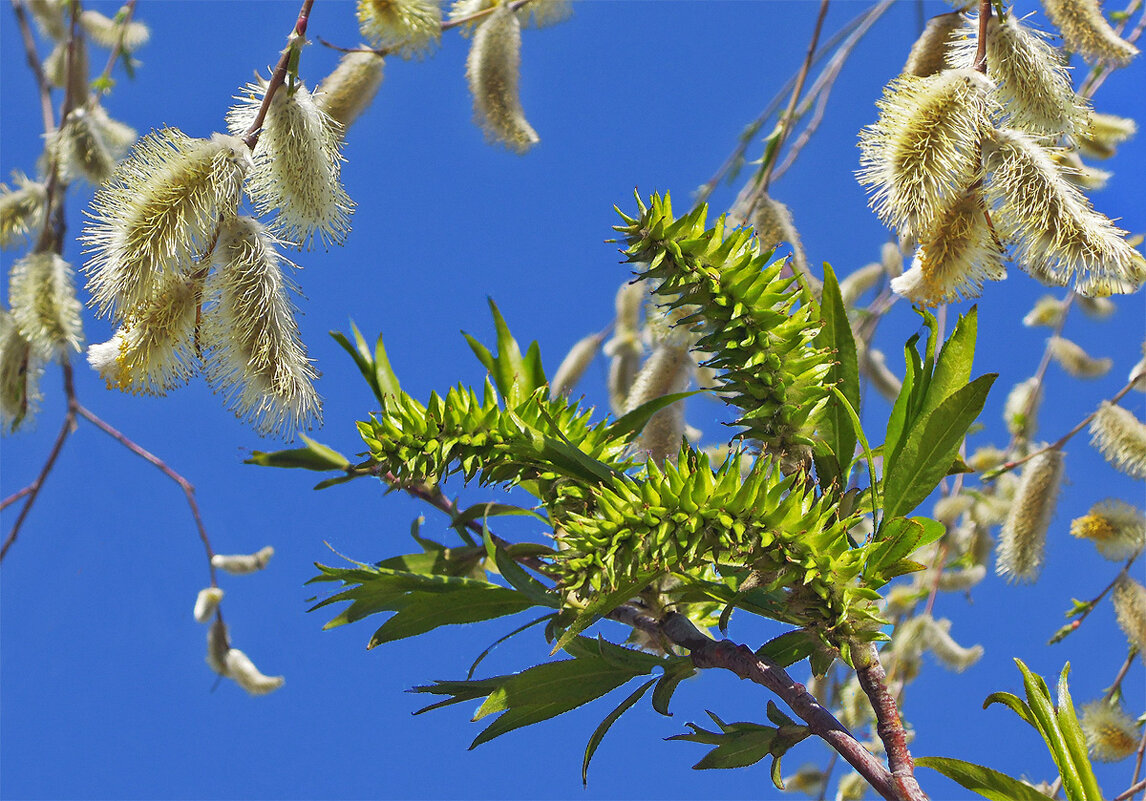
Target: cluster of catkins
x=228, y=662
x=977, y=165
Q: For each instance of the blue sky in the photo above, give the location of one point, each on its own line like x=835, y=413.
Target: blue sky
x=104, y=690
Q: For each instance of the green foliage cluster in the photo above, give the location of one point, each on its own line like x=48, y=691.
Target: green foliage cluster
x=745, y=314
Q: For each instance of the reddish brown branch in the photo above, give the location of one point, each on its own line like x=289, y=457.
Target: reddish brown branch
x=155, y=461
x=981, y=47
x=117, y=50
x=889, y=724
x=278, y=77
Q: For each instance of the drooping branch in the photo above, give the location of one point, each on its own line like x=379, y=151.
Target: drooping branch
x=278, y=77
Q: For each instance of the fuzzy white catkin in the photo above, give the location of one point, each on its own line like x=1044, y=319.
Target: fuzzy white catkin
x=240, y=668
x=106, y=32
x=574, y=365
x=348, y=91
x=1121, y=438
x=20, y=371
x=665, y=372
x=1111, y=734
x=1117, y=529
x=928, y=54
x=218, y=643
x=1023, y=538
x=492, y=69
x=206, y=602
x=1129, y=599
x=21, y=209
x=44, y=304
x=405, y=27
x=1076, y=361
x=241, y=564
x=1086, y=31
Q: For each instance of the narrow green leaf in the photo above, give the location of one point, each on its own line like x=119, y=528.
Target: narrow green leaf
x=1075, y=738
x=500, y=640
x=857, y=427
x=631, y=424
x=424, y=612
x=330, y=482
x=516, y=576
x=483, y=510
x=667, y=685
x=982, y=780
x=459, y=691
x=898, y=423
x=833, y=422
x=384, y=378
x=315, y=456
x=953, y=368
x=1014, y=703
x=619, y=656
x=606, y=724
x=789, y=648
x=931, y=447
x=1042, y=709
x=601, y=605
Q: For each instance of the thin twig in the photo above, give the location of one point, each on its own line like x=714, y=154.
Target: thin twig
x=251, y=135
x=889, y=724
x=1116, y=686
x=36, y=66
x=1138, y=759
x=116, y=51
x=981, y=45
x=155, y=461
x=1092, y=604
x=1129, y=791
x=15, y=496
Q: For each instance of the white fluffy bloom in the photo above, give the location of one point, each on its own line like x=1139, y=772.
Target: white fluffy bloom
x=241, y=564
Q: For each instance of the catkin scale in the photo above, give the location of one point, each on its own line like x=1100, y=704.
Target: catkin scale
x=405, y=27
x=44, y=304
x=1086, y=31
x=929, y=53
x=492, y=70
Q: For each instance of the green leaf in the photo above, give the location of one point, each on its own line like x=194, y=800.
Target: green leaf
x=1075, y=739
x=482, y=510
x=953, y=368
x=789, y=648
x=315, y=456
x=631, y=424
x=636, y=661
x=547, y=690
x=898, y=538
x=738, y=745
x=610, y=719
x=898, y=423
x=602, y=604
x=674, y=675
x=1042, y=709
x=833, y=421
x=425, y=611
x=982, y=780
x=459, y=691
x=373, y=364
x=516, y=576
x=1014, y=703
x=500, y=640
x=857, y=428
x=931, y=446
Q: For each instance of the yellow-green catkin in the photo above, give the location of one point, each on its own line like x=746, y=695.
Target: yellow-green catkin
x=929, y=53
x=774, y=225
x=1100, y=139
x=107, y=32
x=953, y=655
x=1057, y=235
x=858, y=282
x=42, y=295
x=574, y=365
x=49, y=17
x=21, y=209
x=89, y=143
x=1020, y=412
x=297, y=170
x=624, y=349
x=20, y=371
x=348, y=91
x=404, y=27
x=919, y=157
x=1076, y=361
x=255, y=354
x=154, y=351
x=1095, y=308
x=1121, y=438
x=957, y=257
x=158, y=212
x=1086, y=31
x=1117, y=529
x=1032, y=84
x=493, y=70
x=1129, y=599
x=1047, y=311
x=1111, y=734
x=1023, y=538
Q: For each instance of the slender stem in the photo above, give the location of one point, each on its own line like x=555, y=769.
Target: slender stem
x=981, y=47
x=15, y=496
x=1122, y=671
x=117, y=50
x=251, y=135
x=1138, y=759
x=789, y=115
x=36, y=66
x=1041, y=371
x=32, y=491
x=1092, y=604
x=889, y=724
x=155, y=461
x=1129, y=791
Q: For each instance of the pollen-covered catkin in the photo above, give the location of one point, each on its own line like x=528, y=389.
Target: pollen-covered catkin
x=666, y=371
x=154, y=351
x=1023, y=538
x=348, y=91
x=929, y=53
x=157, y=212
x=958, y=256
x=404, y=27
x=107, y=32
x=1057, y=235
x=1129, y=599
x=1076, y=361
x=20, y=371
x=1111, y=734
x=44, y=303
x=297, y=172
x=21, y=209
x=1086, y=31
x=255, y=354
x=919, y=157
x=1117, y=529
x=1121, y=438
x=492, y=69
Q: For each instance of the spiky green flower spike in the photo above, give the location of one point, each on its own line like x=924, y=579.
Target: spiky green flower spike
x=759, y=324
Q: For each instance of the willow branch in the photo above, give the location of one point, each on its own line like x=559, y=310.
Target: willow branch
x=155, y=461
x=117, y=50
x=889, y=724
x=981, y=46
x=278, y=77
x=36, y=66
